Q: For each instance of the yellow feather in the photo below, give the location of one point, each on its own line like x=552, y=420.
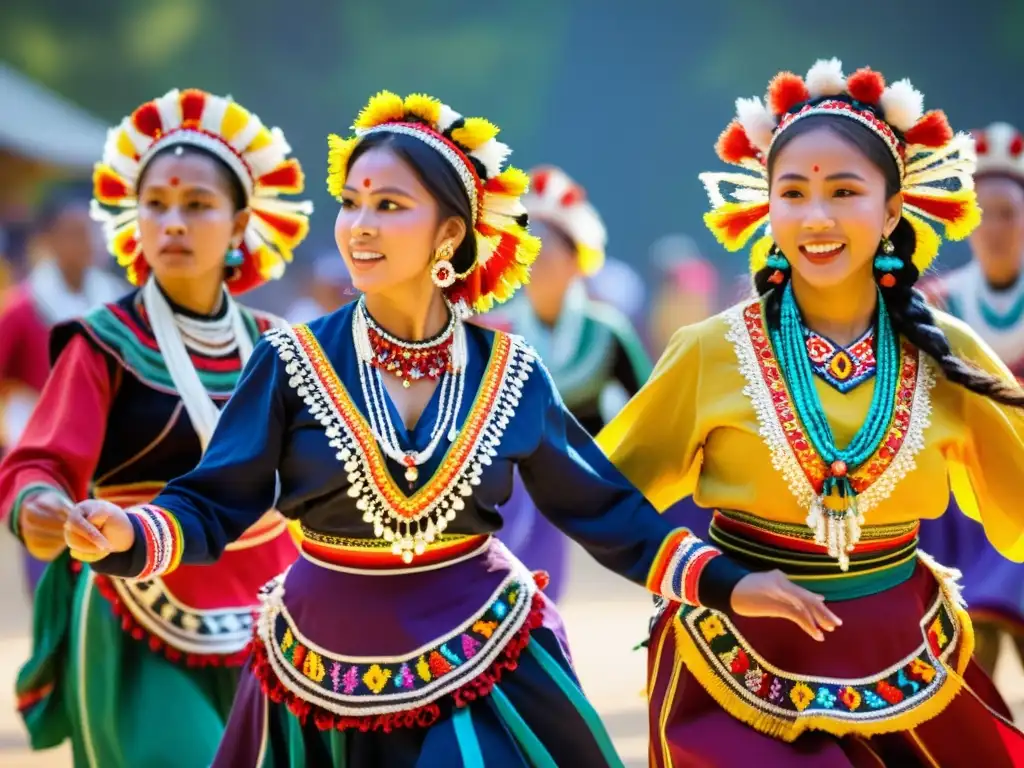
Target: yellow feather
x=719, y=219
x=475, y=133
x=926, y=241
x=235, y=119
x=124, y=144
x=425, y=107
x=385, y=107
x=263, y=139
x=759, y=254
x=590, y=259
x=339, y=150
x=514, y=181
x=960, y=228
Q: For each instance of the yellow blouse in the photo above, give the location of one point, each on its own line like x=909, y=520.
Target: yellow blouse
x=704, y=424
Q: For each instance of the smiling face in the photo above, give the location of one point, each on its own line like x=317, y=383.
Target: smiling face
x=998, y=242
x=388, y=228
x=828, y=208
x=187, y=216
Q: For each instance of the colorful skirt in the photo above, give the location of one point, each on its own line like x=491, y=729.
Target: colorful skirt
x=455, y=660
x=894, y=685
x=123, y=668
x=120, y=704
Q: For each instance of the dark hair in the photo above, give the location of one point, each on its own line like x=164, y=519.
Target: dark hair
x=440, y=179
x=238, y=197
x=909, y=312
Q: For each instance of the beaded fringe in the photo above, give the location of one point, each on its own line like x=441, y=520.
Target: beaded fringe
x=420, y=717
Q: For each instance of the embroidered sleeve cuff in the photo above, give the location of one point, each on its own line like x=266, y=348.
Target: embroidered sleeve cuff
x=678, y=566
x=157, y=549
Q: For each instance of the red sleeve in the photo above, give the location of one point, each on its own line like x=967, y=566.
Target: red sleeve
x=61, y=444
x=10, y=334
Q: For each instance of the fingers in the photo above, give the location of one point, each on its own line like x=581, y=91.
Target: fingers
x=825, y=618
x=800, y=613
x=77, y=528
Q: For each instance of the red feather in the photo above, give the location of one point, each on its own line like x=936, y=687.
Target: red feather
x=1017, y=145
x=540, y=181
x=573, y=196
x=733, y=145
x=932, y=130
x=866, y=85
x=287, y=176
x=192, y=104
x=286, y=226
x=944, y=210
x=785, y=91
x=147, y=120
x=980, y=142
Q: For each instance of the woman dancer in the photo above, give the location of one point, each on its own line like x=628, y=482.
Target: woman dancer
x=405, y=634
x=828, y=414
x=988, y=295
x=594, y=356
x=144, y=672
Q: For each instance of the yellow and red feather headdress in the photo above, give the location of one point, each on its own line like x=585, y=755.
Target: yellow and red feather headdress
x=505, y=248
x=935, y=165
x=256, y=154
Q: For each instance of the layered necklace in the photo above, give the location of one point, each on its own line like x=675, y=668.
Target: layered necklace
x=833, y=514
x=442, y=357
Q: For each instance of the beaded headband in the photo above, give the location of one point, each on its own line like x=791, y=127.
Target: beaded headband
x=504, y=247
x=255, y=154
x=935, y=165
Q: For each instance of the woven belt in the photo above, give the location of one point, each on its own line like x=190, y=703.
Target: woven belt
x=885, y=556
x=377, y=555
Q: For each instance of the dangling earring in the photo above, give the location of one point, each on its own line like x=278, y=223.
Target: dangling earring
x=442, y=273
x=886, y=263
x=234, y=258
x=779, y=263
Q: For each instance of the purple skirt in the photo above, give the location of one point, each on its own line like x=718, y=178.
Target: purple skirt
x=411, y=667
x=993, y=586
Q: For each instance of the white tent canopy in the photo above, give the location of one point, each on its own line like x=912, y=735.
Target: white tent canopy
x=37, y=123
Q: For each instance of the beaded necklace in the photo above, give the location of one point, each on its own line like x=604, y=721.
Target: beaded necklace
x=833, y=514
x=453, y=385
x=411, y=360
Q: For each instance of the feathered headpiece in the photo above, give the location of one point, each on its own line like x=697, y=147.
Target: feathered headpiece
x=256, y=154
x=504, y=247
x=1000, y=150
x=556, y=197
x=935, y=165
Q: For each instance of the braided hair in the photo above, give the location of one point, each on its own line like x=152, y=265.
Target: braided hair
x=909, y=311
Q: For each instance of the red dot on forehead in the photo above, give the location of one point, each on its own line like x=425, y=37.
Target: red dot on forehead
x=816, y=168
x=367, y=183
x=175, y=181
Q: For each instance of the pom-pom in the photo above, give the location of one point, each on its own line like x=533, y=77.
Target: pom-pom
x=385, y=107
x=147, y=120
x=572, y=196
x=902, y=104
x=826, y=78
x=427, y=108
x=785, y=91
x=1016, y=145
x=866, y=85
x=733, y=146
x=474, y=132
x=757, y=122
x=932, y=130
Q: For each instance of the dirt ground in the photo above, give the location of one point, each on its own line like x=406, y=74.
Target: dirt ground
x=605, y=615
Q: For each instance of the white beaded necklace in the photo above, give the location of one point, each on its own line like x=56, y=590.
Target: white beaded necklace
x=453, y=385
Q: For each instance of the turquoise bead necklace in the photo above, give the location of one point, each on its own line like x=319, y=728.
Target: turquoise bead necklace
x=833, y=515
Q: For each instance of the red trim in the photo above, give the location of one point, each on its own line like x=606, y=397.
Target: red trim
x=29, y=699
x=420, y=717
x=691, y=575
x=158, y=645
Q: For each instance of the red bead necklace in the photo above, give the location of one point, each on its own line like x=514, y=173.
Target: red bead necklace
x=411, y=360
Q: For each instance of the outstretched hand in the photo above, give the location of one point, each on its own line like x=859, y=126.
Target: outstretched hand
x=95, y=528
x=772, y=594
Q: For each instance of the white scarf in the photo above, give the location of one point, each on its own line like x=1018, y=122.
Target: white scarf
x=201, y=409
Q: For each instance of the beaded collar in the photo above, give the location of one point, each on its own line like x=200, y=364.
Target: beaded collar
x=842, y=368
